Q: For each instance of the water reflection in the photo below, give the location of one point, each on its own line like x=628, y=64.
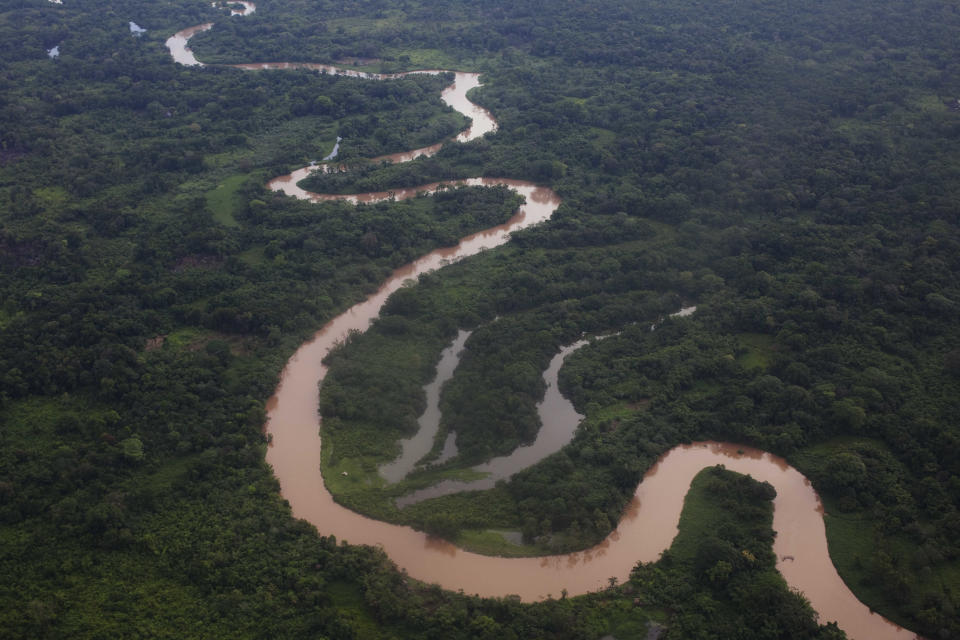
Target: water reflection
x=632, y=510
x=439, y=545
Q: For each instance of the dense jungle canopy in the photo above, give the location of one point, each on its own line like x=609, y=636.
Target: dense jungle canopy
x=790, y=168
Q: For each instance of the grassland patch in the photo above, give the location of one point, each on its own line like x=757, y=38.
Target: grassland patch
x=224, y=202
x=492, y=542
x=757, y=350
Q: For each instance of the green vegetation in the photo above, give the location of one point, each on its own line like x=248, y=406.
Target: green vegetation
x=494, y=543
x=868, y=494
x=788, y=169
x=757, y=350
x=722, y=566
x=224, y=201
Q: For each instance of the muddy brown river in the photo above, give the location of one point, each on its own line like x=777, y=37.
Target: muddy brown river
x=649, y=524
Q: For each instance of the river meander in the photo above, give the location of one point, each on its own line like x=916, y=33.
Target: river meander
x=648, y=525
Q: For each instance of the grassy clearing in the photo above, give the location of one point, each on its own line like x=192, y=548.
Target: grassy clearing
x=187, y=337
x=194, y=339
x=253, y=256
x=411, y=59
x=850, y=540
x=617, y=411
x=364, y=445
x=355, y=482
x=224, y=202
x=349, y=475
x=491, y=542
x=758, y=350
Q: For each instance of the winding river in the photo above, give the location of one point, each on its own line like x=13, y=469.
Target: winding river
x=559, y=420
x=558, y=417
x=649, y=524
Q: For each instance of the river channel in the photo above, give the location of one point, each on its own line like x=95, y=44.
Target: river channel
x=648, y=525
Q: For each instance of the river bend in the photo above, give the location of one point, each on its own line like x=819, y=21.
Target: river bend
x=649, y=524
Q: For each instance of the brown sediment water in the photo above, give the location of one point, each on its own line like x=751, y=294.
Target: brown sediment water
x=455, y=95
x=177, y=45
x=413, y=449
x=646, y=529
x=559, y=421
x=648, y=525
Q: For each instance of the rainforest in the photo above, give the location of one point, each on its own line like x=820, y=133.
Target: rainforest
x=565, y=244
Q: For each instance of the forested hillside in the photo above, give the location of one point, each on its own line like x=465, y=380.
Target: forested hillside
x=789, y=168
